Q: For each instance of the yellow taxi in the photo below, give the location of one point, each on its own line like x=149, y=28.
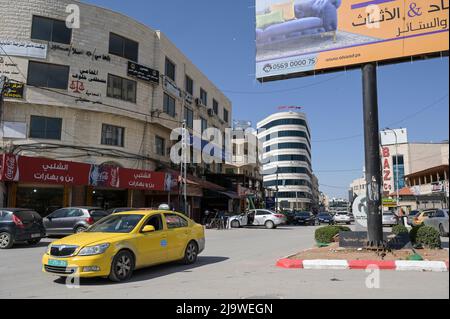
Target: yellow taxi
x=120, y=243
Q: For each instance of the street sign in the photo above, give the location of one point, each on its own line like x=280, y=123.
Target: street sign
x=360, y=211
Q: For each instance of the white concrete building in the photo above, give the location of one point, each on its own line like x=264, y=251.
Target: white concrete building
x=287, y=171
x=107, y=91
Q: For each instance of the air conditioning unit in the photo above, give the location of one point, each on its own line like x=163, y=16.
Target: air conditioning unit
x=199, y=102
x=210, y=112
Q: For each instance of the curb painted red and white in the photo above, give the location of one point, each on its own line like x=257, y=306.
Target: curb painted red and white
x=398, y=265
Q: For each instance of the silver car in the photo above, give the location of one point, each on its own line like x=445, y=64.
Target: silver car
x=342, y=217
x=389, y=219
x=258, y=217
x=70, y=220
x=439, y=220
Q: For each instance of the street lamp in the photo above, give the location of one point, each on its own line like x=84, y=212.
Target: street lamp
x=276, y=194
x=396, y=166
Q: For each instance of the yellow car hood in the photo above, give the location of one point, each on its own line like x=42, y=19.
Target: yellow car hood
x=89, y=239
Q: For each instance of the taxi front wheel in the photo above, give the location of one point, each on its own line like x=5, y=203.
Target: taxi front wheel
x=191, y=253
x=122, y=266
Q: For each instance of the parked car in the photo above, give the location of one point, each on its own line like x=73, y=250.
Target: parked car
x=411, y=216
x=342, y=217
x=439, y=220
x=120, y=243
x=289, y=216
x=324, y=218
x=120, y=210
x=70, y=220
x=20, y=225
x=258, y=217
x=304, y=218
x=389, y=219
x=422, y=216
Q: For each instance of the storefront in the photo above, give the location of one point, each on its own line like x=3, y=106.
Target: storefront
x=45, y=184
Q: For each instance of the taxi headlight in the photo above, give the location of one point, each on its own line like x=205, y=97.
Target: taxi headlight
x=93, y=250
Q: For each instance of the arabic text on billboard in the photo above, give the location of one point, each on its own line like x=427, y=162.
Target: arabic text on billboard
x=303, y=36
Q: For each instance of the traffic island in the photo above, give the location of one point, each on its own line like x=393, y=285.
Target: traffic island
x=341, y=258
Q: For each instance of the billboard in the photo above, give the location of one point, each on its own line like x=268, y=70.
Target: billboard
x=300, y=37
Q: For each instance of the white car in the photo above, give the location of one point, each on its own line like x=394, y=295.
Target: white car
x=342, y=217
x=258, y=217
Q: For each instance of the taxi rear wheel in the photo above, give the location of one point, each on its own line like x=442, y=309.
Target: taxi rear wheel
x=191, y=253
x=122, y=266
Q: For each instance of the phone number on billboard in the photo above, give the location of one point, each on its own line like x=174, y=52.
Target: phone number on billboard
x=293, y=64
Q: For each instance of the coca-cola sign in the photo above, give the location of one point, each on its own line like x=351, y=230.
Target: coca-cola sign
x=10, y=168
x=104, y=176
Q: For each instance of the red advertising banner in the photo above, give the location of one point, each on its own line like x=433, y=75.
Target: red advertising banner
x=14, y=168
x=42, y=170
x=138, y=179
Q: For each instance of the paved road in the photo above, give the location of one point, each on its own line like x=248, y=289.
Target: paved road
x=237, y=263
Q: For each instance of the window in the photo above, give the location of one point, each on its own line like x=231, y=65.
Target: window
x=189, y=85
x=155, y=221
x=286, y=122
x=204, y=124
x=74, y=213
x=160, y=146
x=175, y=221
x=113, y=135
x=123, y=47
x=170, y=69
x=260, y=212
x=48, y=75
x=225, y=115
x=216, y=107
x=204, y=97
x=45, y=127
x=189, y=117
x=122, y=89
x=60, y=213
x=287, y=170
x=169, y=105
x=50, y=30
x=439, y=213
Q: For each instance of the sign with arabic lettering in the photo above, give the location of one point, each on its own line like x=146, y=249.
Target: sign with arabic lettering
x=14, y=90
x=42, y=170
x=143, y=73
x=301, y=37
x=23, y=49
x=138, y=179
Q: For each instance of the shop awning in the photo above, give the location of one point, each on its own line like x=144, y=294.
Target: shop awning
x=197, y=181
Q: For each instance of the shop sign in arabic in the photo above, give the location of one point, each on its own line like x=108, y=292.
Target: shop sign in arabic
x=23, y=49
x=14, y=90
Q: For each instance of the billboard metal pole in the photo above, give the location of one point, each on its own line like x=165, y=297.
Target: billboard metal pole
x=372, y=157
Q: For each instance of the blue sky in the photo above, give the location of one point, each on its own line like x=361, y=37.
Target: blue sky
x=218, y=36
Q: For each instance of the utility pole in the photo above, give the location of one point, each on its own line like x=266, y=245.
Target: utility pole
x=396, y=166
x=3, y=82
x=183, y=168
x=276, y=194
x=372, y=157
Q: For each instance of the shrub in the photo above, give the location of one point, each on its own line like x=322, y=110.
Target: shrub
x=413, y=233
x=326, y=234
x=428, y=237
x=399, y=229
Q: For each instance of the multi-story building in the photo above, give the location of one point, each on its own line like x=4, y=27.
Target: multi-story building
x=107, y=92
x=315, y=204
x=416, y=172
x=286, y=163
x=241, y=175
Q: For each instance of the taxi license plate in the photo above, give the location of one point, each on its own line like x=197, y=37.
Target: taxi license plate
x=35, y=235
x=57, y=263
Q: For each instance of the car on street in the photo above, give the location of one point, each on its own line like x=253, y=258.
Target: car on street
x=70, y=220
x=304, y=218
x=20, y=225
x=120, y=243
x=389, y=219
x=324, y=218
x=439, y=221
x=422, y=216
x=342, y=217
x=258, y=217
x=120, y=210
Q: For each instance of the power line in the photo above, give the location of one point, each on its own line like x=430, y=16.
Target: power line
x=283, y=90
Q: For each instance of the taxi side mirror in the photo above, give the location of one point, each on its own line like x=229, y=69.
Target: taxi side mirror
x=148, y=229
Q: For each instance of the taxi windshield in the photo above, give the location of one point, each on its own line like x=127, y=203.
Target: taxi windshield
x=116, y=224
